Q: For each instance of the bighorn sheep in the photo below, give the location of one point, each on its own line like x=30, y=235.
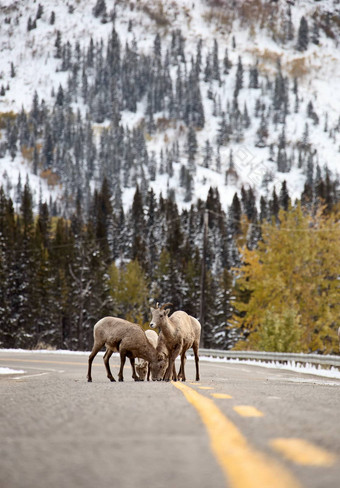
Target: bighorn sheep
x=127, y=338
x=142, y=366
x=163, y=358
x=180, y=331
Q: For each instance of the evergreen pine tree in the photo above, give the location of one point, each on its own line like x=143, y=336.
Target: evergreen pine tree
x=13, y=71
x=284, y=196
x=227, y=65
x=208, y=69
x=191, y=149
x=239, y=77
x=263, y=209
x=282, y=160
x=99, y=9
x=274, y=206
x=215, y=63
x=8, y=284
x=52, y=18
x=207, y=154
x=103, y=219
x=60, y=96
x=40, y=11
x=234, y=216
x=303, y=35
x=262, y=132
x=48, y=147
x=138, y=247
x=58, y=45
x=253, y=77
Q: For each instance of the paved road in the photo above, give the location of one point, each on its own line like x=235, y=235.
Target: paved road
x=240, y=427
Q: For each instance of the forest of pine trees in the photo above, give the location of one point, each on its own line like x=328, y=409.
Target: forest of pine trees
x=59, y=276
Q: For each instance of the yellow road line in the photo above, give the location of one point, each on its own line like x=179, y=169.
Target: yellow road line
x=248, y=411
x=205, y=387
x=221, y=395
x=242, y=465
x=302, y=452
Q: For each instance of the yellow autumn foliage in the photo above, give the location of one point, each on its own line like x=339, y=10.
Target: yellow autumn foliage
x=129, y=290
x=292, y=277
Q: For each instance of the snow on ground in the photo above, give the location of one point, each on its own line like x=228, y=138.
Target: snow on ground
x=11, y=371
x=290, y=366
x=13, y=170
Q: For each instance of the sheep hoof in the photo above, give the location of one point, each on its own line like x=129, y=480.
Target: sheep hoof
x=89, y=380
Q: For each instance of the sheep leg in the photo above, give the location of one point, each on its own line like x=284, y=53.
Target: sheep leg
x=106, y=358
x=134, y=374
x=181, y=373
x=171, y=365
x=174, y=375
x=195, y=349
x=169, y=371
x=96, y=348
x=122, y=362
x=149, y=370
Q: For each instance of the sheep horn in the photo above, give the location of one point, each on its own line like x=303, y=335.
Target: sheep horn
x=166, y=305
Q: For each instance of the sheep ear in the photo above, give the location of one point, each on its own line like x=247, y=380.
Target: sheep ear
x=152, y=310
x=167, y=311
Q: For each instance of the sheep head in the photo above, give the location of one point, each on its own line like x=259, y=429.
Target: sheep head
x=142, y=369
x=159, y=367
x=158, y=315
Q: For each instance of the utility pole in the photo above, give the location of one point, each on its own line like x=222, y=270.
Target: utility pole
x=203, y=274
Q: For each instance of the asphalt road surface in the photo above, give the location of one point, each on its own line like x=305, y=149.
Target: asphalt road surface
x=241, y=426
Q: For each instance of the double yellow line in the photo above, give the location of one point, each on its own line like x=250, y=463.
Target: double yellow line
x=242, y=465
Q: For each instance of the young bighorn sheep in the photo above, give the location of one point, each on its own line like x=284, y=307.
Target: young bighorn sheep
x=163, y=358
x=142, y=366
x=180, y=331
x=127, y=338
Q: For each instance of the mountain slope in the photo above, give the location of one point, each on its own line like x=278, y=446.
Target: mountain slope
x=271, y=133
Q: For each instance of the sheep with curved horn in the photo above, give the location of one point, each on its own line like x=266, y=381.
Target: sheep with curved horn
x=180, y=331
x=128, y=339
x=143, y=367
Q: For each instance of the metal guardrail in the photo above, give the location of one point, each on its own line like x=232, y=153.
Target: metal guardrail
x=325, y=361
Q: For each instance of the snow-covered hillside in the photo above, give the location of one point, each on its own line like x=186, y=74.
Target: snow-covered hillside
x=254, y=32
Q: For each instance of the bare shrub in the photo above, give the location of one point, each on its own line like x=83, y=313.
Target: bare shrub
x=297, y=68
x=52, y=178
x=157, y=14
